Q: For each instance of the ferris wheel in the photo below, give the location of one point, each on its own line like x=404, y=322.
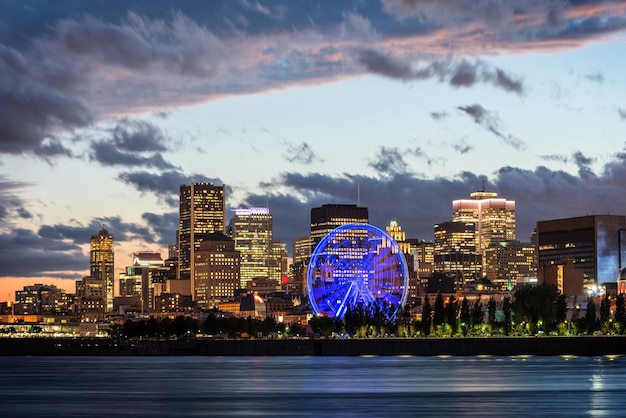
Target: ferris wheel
x=357, y=265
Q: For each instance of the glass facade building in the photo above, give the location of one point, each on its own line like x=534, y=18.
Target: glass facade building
x=251, y=229
x=594, y=243
x=202, y=211
x=328, y=217
x=493, y=217
x=101, y=266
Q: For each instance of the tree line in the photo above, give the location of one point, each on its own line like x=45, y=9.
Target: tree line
x=533, y=310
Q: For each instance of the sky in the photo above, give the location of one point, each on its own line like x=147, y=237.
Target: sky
x=107, y=107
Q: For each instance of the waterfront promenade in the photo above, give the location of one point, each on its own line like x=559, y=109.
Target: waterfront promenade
x=496, y=346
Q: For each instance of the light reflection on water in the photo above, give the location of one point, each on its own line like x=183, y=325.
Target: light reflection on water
x=310, y=386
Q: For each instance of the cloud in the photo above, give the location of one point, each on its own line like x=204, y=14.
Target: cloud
x=108, y=154
x=458, y=74
x=596, y=77
x=622, y=113
x=389, y=161
x=418, y=203
x=164, y=226
x=462, y=147
x=299, y=153
x=491, y=121
x=66, y=67
x=439, y=115
x=11, y=204
x=166, y=185
x=26, y=254
x=35, y=101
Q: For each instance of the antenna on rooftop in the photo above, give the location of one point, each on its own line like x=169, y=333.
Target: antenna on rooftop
x=358, y=190
x=483, y=186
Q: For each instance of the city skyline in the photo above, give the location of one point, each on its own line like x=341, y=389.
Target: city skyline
x=108, y=109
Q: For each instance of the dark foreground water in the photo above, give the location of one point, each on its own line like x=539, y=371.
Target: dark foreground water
x=312, y=386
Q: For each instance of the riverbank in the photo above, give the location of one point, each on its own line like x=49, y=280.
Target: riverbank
x=495, y=346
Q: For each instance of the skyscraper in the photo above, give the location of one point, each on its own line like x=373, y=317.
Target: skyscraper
x=202, y=211
x=251, y=229
x=328, y=217
x=301, y=252
x=455, y=251
x=594, y=243
x=217, y=267
x=102, y=264
x=493, y=217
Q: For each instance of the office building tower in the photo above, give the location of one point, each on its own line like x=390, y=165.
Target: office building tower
x=493, y=217
x=102, y=264
x=399, y=236
x=40, y=299
x=594, y=243
x=251, y=229
x=138, y=279
x=328, y=217
x=424, y=254
x=217, y=270
x=90, y=299
x=455, y=251
x=278, y=262
x=510, y=262
x=301, y=252
x=202, y=212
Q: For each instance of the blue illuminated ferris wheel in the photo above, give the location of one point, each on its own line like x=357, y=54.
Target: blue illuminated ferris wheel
x=357, y=265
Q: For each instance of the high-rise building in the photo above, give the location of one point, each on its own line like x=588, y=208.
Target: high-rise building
x=399, y=236
x=40, y=299
x=594, y=243
x=138, y=279
x=251, y=229
x=328, y=217
x=455, y=251
x=278, y=261
x=509, y=261
x=301, y=250
x=90, y=299
x=102, y=264
x=202, y=211
x=217, y=271
x=493, y=217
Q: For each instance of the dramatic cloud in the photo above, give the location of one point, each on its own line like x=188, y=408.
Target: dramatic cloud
x=457, y=74
x=64, y=68
x=491, y=121
x=27, y=254
x=389, y=162
x=36, y=99
x=418, y=203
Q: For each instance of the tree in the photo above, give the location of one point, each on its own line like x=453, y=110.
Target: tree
x=590, y=316
x=426, y=317
x=152, y=327
x=451, y=313
x=620, y=312
x=465, y=316
x=506, y=311
x=561, y=308
x=439, y=314
x=605, y=309
x=477, y=313
x=492, y=307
